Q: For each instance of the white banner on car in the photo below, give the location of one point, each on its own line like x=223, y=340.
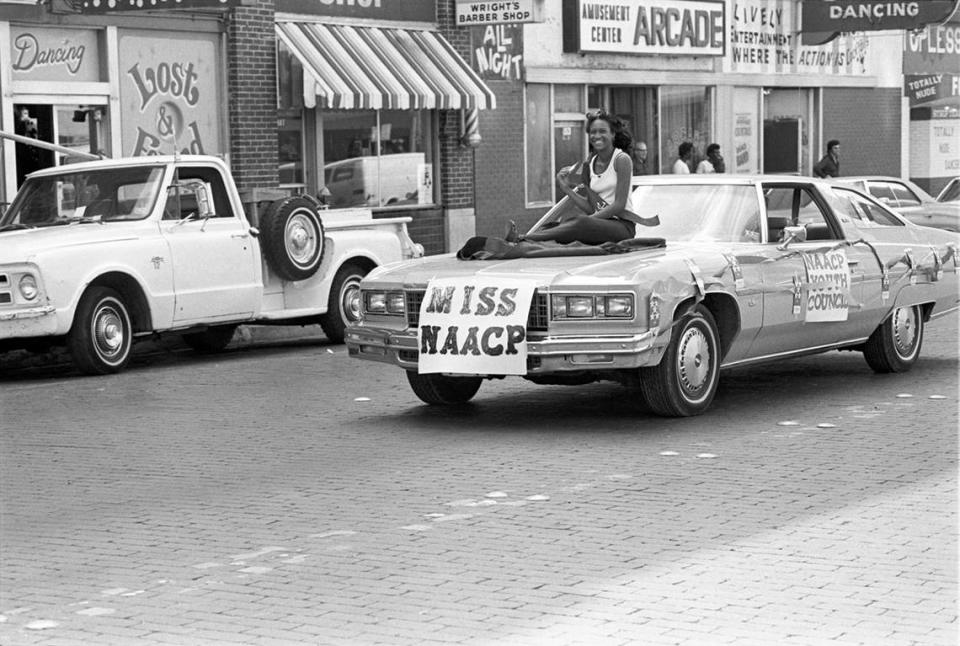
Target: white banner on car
x=475, y=325
x=828, y=286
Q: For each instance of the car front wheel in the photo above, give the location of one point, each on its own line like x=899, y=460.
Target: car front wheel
x=101, y=337
x=895, y=345
x=442, y=390
x=685, y=380
x=343, y=307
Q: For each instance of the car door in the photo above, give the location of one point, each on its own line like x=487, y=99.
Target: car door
x=213, y=258
x=812, y=290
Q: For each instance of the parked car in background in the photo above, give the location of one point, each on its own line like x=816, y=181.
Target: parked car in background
x=950, y=192
x=729, y=270
x=373, y=181
x=907, y=198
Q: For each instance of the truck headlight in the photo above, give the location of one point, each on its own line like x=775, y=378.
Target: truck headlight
x=28, y=287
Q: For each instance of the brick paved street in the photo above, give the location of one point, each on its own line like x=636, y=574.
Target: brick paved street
x=285, y=494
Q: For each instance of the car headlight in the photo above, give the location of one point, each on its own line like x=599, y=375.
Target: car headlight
x=592, y=306
x=381, y=302
x=28, y=287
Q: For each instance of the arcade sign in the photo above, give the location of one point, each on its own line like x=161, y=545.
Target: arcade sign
x=872, y=15
x=673, y=27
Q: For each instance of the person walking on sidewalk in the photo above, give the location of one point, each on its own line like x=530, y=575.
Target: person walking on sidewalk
x=829, y=164
x=714, y=161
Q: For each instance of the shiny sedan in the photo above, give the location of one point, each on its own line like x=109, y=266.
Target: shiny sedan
x=727, y=271
x=907, y=198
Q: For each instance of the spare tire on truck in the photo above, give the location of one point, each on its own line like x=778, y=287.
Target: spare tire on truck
x=291, y=235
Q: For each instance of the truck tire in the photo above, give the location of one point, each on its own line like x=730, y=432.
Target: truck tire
x=212, y=340
x=291, y=234
x=101, y=337
x=344, y=302
x=443, y=390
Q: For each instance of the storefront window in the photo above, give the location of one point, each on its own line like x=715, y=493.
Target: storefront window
x=637, y=106
x=685, y=113
x=377, y=158
x=539, y=179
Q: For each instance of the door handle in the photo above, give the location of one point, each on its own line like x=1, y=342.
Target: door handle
x=244, y=235
x=852, y=263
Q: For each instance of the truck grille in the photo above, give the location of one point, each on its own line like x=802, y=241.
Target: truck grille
x=537, y=320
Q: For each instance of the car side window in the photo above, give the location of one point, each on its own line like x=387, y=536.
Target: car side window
x=905, y=197
x=865, y=210
x=882, y=191
x=795, y=206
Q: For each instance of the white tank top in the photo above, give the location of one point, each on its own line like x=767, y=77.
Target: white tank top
x=605, y=183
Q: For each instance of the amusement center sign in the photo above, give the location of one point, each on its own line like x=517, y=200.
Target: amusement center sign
x=680, y=27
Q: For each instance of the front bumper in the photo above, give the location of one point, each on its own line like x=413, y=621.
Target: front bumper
x=27, y=322
x=545, y=354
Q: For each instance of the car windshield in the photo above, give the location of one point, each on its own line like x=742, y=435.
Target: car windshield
x=99, y=195
x=692, y=212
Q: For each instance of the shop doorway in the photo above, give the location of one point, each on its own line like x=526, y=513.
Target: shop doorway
x=78, y=128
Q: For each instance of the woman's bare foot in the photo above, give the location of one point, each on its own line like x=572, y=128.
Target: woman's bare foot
x=511, y=234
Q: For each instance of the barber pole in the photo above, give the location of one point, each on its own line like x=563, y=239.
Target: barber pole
x=470, y=127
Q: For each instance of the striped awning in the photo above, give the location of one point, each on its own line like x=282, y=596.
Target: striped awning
x=353, y=67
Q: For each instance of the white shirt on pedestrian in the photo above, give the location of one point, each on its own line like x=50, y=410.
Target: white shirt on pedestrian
x=705, y=167
x=680, y=168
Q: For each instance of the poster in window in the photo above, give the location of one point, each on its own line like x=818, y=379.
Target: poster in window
x=497, y=52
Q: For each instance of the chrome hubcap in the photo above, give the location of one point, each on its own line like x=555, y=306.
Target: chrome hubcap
x=905, y=330
x=351, y=302
x=108, y=332
x=301, y=239
x=693, y=360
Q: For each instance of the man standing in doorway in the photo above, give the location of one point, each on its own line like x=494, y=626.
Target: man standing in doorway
x=640, y=163
x=829, y=165
x=682, y=165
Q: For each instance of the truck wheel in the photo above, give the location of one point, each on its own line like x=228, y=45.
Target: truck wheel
x=895, y=345
x=685, y=380
x=344, y=303
x=440, y=389
x=100, y=338
x=291, y=232
x=212, y=340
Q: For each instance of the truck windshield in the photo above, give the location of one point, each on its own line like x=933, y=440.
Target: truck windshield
x=98, y=195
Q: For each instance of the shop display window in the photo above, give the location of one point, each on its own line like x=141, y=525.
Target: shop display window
x=685, y=113
x=377, y=158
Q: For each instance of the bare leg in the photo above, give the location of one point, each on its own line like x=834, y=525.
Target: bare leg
x=583, y=229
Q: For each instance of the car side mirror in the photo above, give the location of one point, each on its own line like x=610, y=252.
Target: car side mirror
x=792, y=234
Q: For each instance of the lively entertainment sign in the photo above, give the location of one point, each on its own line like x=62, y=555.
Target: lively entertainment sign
x=678, y=27
x=765, y=39
x=473, y=325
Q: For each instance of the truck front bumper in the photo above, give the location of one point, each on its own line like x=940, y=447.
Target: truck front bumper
x=545, y=354
x=28, y=322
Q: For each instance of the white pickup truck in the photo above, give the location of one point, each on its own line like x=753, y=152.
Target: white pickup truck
x=96, y=254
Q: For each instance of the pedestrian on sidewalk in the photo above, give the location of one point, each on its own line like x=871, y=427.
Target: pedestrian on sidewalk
x=682, y=165
x=829, y=164
x=714, y=161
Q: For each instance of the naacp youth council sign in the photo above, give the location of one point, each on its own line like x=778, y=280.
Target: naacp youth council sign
x=475, y=326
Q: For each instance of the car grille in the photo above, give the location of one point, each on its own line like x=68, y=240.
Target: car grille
x=6, y=294
x=537, y=320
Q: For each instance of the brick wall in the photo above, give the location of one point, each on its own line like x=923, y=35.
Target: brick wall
x=252, y=95
x=867, y=123
x=500, y=164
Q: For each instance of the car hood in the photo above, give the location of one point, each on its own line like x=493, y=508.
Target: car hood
x=21, y=244
x=561, y=270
